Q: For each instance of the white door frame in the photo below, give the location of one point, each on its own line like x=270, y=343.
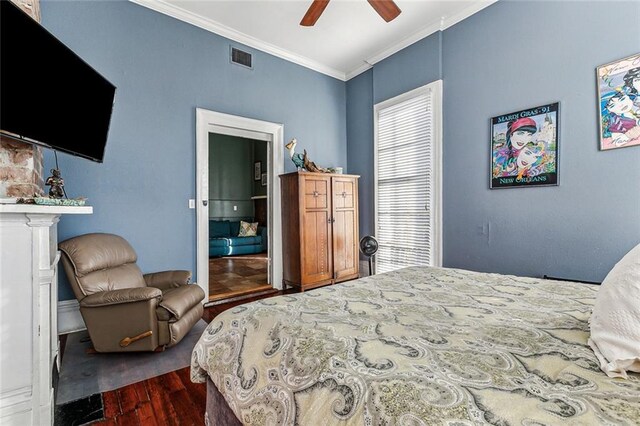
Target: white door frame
x=436, y=213
x=216, y=122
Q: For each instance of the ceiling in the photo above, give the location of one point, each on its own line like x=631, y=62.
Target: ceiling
x=348, y=38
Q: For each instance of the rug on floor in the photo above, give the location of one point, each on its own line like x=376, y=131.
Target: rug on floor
x=82, y=375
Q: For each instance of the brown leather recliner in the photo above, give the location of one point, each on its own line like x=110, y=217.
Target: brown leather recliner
x=123, y=309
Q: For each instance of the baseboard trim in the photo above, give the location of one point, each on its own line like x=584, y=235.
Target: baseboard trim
x=241, y=297
x=69, y=317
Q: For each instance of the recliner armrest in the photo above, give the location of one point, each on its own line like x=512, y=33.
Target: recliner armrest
x=181, y=300
x=117, y=297
x=167, y=279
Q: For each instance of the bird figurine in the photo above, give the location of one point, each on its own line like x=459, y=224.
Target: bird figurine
x=310, y=166
x=298, y=159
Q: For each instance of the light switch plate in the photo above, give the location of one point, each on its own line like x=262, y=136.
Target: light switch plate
x=192, y=203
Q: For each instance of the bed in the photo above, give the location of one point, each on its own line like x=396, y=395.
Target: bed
x=418, y=346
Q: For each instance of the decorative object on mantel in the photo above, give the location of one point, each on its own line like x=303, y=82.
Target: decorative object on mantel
x=310, y=166
x=524, y=148
x=26, y=200
x=298, y=159
x=302, y=161
x=619, y=103
x=56, y=183
x=48, y=201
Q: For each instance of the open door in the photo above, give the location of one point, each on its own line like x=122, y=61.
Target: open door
x=210, y=122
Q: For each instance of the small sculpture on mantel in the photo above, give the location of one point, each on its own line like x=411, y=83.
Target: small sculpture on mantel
x=298, y=159
x=56, y=183
x=302, y=161
x=311, y=166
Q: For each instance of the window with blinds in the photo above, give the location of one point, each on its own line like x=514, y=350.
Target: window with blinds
x=405, y=180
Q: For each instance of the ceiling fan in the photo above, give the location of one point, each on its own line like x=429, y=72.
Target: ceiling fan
x=387, y=9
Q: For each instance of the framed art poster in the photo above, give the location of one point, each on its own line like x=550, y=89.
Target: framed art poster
x=524, y=147
x=257, y=170
x=619, y=103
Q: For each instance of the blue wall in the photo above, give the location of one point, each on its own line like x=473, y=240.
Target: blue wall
x=360, y=144
x=510, y=56
x=414, y=66
x=164, y=69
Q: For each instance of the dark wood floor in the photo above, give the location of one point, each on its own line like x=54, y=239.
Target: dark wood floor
x=170, y=399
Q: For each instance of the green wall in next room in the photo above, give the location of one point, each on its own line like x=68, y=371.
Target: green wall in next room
x=231, y=178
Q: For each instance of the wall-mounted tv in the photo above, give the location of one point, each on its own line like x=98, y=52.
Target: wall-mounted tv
x=49, y=95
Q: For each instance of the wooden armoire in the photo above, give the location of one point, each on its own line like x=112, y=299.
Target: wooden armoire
x=319, y=228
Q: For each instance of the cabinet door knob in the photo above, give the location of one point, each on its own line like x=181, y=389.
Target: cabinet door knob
x=344, y=194
x=315, y=193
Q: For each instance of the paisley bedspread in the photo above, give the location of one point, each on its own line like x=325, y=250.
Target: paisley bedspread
x=418, y=346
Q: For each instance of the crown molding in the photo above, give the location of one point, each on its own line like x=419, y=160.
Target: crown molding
x=237, y=36
x=217, y=28
x=445, y=23
x=358, y=70
x=417, y=36
x=466, y=12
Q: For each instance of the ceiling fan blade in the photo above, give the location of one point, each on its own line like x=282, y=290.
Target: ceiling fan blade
x=385, y=8
x=314, y=12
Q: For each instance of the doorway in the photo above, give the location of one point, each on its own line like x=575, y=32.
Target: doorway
x=238, y=217
x=225, y=271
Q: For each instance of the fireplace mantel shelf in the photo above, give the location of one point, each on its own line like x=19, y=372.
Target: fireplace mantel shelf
x=32, y=208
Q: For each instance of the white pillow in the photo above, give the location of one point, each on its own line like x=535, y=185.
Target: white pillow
x=615, y=320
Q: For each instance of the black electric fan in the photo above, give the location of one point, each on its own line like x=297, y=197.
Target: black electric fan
x=369, y=247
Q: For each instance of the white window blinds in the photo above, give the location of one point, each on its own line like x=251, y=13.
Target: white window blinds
x=404, y=180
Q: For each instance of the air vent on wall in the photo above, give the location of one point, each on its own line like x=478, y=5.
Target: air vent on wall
x=242, y=58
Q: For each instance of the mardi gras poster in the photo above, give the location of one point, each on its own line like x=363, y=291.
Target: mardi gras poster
x=619, y=103
x=524, y=148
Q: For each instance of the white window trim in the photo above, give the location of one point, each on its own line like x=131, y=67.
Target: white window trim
x=436, y=93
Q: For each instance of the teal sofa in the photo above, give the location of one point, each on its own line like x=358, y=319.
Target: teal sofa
x=224, y=239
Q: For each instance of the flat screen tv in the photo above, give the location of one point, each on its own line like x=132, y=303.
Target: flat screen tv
x=49, y=95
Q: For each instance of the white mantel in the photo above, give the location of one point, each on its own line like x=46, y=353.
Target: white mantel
x=28, y=314
x=51, y=210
